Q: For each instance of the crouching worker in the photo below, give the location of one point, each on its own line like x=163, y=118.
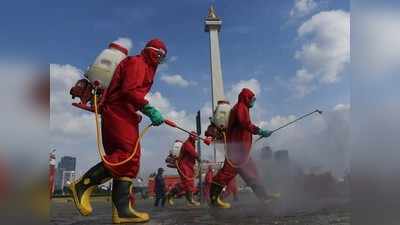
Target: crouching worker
x=125, y=95
x=185, y=165
x=237, y=159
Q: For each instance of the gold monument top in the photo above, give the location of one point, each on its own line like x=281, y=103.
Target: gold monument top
x=212, y=14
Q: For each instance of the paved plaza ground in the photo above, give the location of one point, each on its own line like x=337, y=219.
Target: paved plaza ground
x=245, y=212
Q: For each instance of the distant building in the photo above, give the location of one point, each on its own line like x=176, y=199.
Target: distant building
x=66, y=170
x=266, y=153
x=68, y=163
x=281, y=155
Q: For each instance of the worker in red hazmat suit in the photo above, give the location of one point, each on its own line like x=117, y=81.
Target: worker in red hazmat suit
x=122, y=100
x=238, y=161
x=207, y=182
x=185, y=166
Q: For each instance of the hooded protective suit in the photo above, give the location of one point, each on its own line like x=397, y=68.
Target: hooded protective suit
x=185, y=165
x=239, y=139
x=186, y=162
x=125, y=95
x=231, y=189
x=207, y=182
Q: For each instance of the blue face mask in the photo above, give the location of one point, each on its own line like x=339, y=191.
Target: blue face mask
x=252, y=102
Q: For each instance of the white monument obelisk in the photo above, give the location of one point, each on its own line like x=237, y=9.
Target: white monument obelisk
x=213, y=26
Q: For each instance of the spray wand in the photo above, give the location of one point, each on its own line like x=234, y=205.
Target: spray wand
x=171, y=123
x=301, y=117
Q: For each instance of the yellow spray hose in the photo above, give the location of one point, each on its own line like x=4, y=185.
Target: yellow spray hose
x=227, y=157
x=100, y=147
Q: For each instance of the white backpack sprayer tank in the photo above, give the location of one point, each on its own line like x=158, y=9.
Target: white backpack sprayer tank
x=219, y=121
x=221, y=115
x=98, y=75
x=173, y=154
x=103, y=68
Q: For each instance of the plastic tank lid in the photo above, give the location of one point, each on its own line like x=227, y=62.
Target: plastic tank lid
x=223, y=102
x=119, y=48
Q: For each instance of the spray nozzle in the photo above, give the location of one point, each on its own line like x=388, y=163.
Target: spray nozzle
x=171, y=123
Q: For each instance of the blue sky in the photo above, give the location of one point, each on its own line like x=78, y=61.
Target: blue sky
x=256, y=37
x=258, y=40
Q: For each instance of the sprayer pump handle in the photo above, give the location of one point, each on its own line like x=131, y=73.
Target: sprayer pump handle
x=207, y=140
x=170, y=123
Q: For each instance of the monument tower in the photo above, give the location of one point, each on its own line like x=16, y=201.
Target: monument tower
x=213, y=26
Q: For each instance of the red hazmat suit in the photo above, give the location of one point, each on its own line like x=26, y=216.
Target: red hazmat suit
x=231, y=189
x=131, y=81
x=239, y=138
x=207, y=183
x=185, y=165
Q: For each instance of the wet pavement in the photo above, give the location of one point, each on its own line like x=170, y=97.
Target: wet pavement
x=242, y=213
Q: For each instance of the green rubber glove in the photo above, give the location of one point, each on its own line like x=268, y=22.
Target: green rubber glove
x=154, y=115
x=264, y=133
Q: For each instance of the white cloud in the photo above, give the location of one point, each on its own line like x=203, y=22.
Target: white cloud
x=235, y=89
x=126, y=42
x=176, y=80
x=169, y=111
x=325, y=50
x=302, y=83
x=159, y=101
x=329, y=48
x=302, y=8
x=341, y=107
x=66, y=120
x=173, y=58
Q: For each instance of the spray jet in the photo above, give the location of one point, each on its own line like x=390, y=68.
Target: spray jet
x=301, y=117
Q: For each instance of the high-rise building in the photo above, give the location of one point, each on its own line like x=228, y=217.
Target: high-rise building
x=67, y=163
x=66, y=170
x=281, y=155
x=266, y=153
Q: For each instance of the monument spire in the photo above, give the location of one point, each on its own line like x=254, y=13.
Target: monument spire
x=213, y=27
x=212, y=15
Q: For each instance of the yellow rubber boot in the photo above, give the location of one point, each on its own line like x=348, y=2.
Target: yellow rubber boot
x=122, y=206
x=271, y=197
x=82, y=188
x=190, y=199
x=171, y=195
x=170, y=200
x=215, y=193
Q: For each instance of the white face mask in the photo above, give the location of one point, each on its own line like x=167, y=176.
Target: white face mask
x=252, y=101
